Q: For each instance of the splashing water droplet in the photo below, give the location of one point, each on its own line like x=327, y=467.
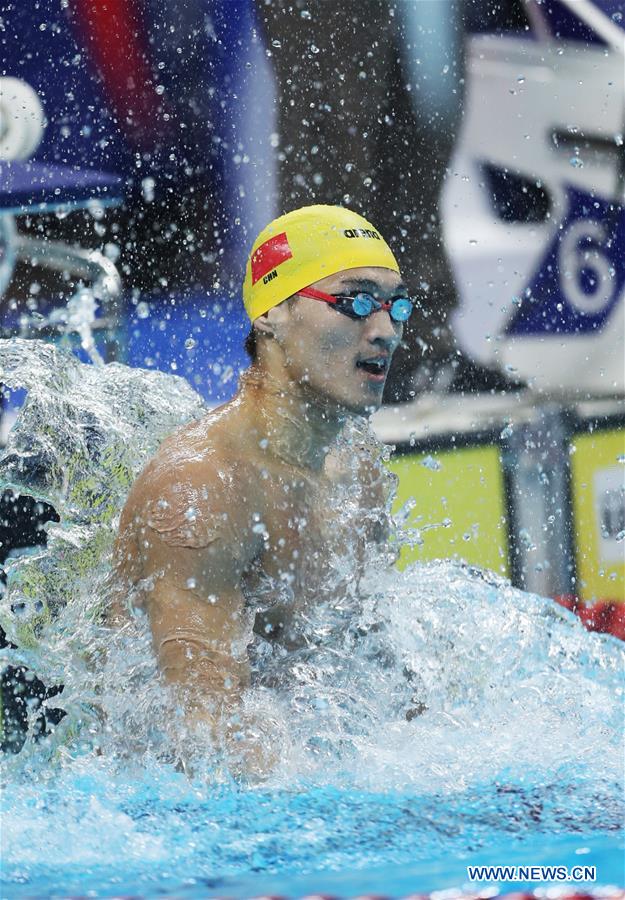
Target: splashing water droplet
x=147, y=189
x=428, y=462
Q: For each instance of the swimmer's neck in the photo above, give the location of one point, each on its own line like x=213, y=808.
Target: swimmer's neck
x=299, y=427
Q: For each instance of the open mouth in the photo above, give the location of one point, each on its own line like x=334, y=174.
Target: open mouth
x=373, y=366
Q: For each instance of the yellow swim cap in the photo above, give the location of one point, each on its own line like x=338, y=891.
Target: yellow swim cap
x=305, y=245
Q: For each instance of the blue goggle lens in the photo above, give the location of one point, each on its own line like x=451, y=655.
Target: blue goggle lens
x=363, y=305
x=401, y=309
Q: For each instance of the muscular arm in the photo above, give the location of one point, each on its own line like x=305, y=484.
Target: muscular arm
x=186, y=545
x=199, y=632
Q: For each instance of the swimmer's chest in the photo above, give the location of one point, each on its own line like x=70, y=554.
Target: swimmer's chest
x=306, y=527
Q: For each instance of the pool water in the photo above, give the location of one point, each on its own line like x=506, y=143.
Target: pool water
x=514, y=756
x=155, y=833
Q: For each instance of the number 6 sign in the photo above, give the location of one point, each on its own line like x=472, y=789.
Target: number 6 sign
x=577, y=283
x=587, y=277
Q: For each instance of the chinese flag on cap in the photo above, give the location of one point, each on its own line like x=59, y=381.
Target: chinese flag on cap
x=269, y=256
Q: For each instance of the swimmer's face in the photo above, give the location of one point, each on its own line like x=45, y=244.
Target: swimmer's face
x=327, y=350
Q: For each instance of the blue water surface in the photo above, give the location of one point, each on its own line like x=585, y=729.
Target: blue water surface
x=156, y=834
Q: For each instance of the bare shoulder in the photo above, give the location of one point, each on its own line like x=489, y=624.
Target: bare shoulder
x=190, y=493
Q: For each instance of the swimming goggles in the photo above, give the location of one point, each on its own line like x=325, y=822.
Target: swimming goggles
x=362, y=304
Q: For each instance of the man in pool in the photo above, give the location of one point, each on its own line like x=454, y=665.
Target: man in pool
x=232, y=526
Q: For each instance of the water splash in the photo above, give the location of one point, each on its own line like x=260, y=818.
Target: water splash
x=81, y=437
x=439, y=683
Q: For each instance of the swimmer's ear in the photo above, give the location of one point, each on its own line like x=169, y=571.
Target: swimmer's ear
x=262, y=326
x=271, y=322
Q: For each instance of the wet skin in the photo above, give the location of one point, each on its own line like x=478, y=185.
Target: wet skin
x=252, y=492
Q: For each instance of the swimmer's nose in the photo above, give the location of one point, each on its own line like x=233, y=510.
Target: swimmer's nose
x=382, y=330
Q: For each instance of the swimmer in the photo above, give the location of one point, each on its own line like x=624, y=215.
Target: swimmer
x=250, y=495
